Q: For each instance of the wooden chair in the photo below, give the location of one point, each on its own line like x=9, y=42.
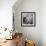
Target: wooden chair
x=18, y=39
x=29, y=43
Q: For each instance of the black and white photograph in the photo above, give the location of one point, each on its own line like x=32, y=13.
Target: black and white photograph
x=28, y=19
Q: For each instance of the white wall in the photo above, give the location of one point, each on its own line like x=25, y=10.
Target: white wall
x=32, y=33
x=43, y=22
x=6, y=13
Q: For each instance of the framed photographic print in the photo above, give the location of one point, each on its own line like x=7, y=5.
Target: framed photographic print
x=28, y=19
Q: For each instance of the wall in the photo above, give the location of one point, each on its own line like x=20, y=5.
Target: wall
x=32, y=33
x=43, y=22
x=6, y=13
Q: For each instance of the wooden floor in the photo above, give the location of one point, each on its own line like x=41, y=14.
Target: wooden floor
x=9, y=43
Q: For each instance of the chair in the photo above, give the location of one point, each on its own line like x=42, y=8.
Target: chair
x=29, y=43
x=18, y=39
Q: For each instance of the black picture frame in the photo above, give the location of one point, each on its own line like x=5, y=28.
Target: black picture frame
x=28, y=19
